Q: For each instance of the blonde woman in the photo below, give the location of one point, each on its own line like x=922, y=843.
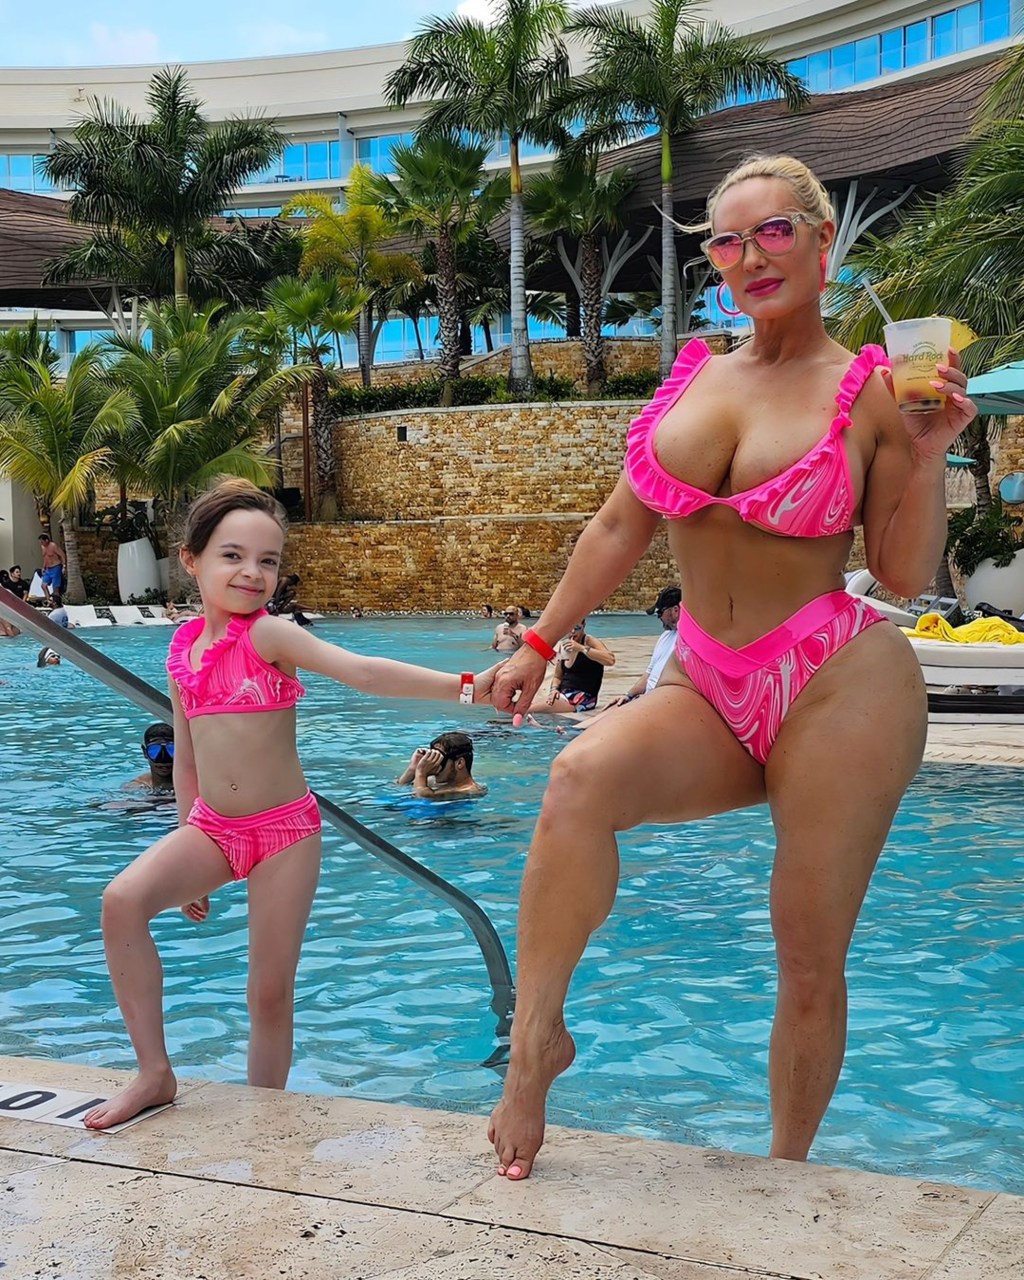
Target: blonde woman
x=783, y=687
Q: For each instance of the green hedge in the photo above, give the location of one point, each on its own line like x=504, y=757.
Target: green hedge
x=632, y=386
x=355, y=402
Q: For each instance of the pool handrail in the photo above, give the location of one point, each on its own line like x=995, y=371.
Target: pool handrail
x=157, y=704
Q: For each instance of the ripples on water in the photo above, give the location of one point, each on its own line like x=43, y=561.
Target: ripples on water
x=671, y=1005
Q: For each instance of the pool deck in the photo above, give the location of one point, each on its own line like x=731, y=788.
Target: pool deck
x=963, y=743
x=234, y=1182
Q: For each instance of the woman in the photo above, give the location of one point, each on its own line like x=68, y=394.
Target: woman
x=578, y=672
x=783, y=688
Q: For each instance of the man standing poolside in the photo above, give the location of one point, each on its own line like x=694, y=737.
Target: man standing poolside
x=54, y=560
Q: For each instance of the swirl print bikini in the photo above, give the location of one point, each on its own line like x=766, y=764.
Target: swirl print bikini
x=233, y=678
x=752, y=688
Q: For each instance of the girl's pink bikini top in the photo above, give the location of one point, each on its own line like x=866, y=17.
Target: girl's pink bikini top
x=232, y=676
x=811, y=499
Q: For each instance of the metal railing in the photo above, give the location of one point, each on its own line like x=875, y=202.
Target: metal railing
x=157, y=704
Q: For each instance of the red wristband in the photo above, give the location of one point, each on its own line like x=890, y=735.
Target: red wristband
x=539, y=645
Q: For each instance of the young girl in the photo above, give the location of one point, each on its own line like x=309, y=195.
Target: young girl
x=244, y=807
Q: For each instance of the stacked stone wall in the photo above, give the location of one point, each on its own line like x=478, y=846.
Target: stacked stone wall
x=452, y=564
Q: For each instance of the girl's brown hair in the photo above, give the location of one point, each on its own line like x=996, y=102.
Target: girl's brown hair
x=210, y=508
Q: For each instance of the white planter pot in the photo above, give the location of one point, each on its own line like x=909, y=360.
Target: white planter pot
x=163, y=568
x=136, y=569
x=1003, y=588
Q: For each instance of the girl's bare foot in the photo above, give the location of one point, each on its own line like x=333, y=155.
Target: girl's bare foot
x=198, y=910
x=144, y=1091
x=517, y=1124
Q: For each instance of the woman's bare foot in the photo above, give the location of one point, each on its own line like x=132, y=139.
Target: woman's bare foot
x=144, y=1091
x=517, y=1123
x=198, y=910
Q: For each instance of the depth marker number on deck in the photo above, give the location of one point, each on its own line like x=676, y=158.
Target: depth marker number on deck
x=66, y=1107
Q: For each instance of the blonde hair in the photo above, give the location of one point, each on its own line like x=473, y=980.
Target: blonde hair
x=810, y=196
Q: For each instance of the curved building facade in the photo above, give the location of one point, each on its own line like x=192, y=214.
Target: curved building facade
x=332, y=110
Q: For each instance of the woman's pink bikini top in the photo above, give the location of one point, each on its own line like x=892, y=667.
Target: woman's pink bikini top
x=811, y=499
x=232, y=676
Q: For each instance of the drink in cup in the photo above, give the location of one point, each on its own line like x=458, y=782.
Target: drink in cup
x=915, y=348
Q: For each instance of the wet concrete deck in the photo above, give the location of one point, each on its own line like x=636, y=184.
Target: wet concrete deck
x=238, y=1182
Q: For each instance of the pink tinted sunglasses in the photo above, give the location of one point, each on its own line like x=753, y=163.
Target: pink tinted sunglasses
x=773, y=237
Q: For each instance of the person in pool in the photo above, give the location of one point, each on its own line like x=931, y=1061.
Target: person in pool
x=158, y=750
x=444, y=770
x=244, y=808
x=783, y=688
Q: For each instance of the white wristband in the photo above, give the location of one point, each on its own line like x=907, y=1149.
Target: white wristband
x=466, y=687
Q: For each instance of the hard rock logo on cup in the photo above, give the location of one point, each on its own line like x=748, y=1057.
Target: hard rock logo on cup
x=916, y=348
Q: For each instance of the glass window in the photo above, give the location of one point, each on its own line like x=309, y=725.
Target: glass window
x=798, y=66
x=995, y=19
x=334, y=160
x=915, y=44
x=294, y=167
x=968, y=26
x=265, y=175
x=316, y=160
x=5, y=172
x=944, y=34
x=21, y=172
x=842, y=66
x=819, y=72
x=892, y=50
x=867, y=63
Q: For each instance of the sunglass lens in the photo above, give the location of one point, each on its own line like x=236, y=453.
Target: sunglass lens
x=725, y=251
x=777, y=235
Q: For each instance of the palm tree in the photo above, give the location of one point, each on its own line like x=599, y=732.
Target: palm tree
x=351, y=243
x=154, y=182
x=56, y=435
x=315, y=311
x=490, y=81
x=204, y=389
x=233, y=265
x=441, y=193
x=664, y=75
x=573, y=198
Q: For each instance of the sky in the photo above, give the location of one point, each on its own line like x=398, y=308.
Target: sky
x=68, y=33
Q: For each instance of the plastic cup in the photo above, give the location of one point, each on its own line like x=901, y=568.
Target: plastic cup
x=916, y=348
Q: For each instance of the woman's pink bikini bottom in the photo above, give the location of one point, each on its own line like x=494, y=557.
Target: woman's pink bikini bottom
x=753, y=688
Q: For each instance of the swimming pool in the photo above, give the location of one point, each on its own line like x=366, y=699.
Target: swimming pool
x=671, y=1005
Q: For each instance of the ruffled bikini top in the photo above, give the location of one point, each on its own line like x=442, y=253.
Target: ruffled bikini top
x=232, y=676
x=813, y=498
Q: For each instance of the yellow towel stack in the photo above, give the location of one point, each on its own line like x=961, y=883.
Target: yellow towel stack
x=930, y=626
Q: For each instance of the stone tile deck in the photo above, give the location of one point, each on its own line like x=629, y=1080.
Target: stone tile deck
x=236, y=1182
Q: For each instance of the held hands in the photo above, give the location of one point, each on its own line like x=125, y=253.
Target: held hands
x=516, y=681
x=198, y=910
x=483, y=683
x=931, y=434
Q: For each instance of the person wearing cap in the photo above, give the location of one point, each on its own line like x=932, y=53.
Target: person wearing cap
x=666, y=607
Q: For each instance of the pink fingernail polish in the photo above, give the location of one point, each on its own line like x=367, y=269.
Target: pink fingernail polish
x=958, y=398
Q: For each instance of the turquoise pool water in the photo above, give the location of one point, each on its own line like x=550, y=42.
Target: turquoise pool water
x=671, y=1005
